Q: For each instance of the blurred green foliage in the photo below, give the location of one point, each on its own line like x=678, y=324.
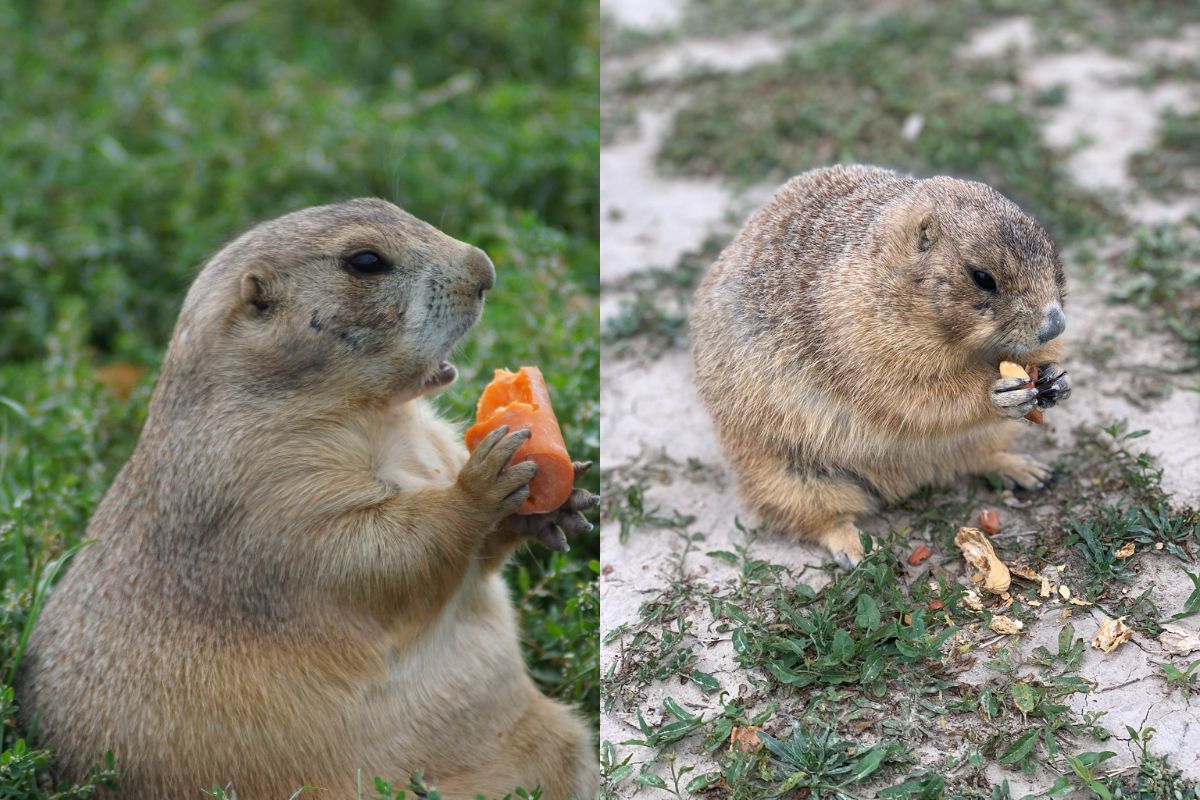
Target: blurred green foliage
x=136, y=138
x=892, y=91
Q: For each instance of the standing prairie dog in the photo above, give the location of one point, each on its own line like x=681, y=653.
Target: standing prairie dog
x=295, y=576
x=847, y=342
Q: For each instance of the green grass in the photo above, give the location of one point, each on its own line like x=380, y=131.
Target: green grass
x=1111, y=24
x=143, y=137
x=846, y=95
x=655, y=311
x=879, y=649
x=1171, y=167
x=1161, y=278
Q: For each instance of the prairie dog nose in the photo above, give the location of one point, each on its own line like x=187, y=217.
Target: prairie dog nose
x=1053, y=323
x=479, y=268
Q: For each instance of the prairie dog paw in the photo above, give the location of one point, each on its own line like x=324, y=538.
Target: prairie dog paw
x=1052, y=385
x=493, y=486
x=551, y=529
x=1021, y=471
x=844, y=545
x=1011, y=398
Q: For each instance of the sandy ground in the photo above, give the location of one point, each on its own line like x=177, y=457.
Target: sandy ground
x=650, y=408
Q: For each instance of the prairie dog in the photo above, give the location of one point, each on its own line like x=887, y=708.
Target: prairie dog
x=295, y=579
x=846, y=344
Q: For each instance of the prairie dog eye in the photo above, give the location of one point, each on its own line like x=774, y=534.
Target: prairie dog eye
x=368, y=262
x=983, y=280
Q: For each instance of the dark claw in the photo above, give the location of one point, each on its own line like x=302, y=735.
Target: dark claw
x=1052, y=386
x=574, y=523
x=581, y=500
x=553, y=538
x=552, y=529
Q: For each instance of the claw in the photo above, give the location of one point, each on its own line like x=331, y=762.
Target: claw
x=844, y=560
x=553, y=538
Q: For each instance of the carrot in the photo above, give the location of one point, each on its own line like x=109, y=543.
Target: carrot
x=919, y=556
x=520, y=400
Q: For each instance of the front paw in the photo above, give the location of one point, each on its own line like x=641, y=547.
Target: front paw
x=1012, y=399
x=1052, y=385
x=490, y=484
x=551, y=529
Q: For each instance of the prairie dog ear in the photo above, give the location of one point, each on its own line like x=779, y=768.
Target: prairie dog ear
x=255, y=295
x=922, y=229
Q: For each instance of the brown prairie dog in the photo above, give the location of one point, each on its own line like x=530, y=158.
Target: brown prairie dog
x=846, y=344
x=295, y=576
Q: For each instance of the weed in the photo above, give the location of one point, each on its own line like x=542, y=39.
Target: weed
x=846, y=95
x=1186, y=680
x=1084, y=775
x=656, y=313
x=1161, y=279
x=817, y=760
x=1192, y=604
x=1070, y=651
x=661, y=645
x=1171, y=167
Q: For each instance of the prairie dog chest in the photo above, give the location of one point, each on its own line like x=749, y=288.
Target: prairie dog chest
x=417, y=449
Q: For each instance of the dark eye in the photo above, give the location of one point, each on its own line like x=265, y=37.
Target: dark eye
x=983, y=280
x=367, y=262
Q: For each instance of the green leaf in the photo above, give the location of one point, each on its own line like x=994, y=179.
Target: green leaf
x=1192, y=604
x=650, y=779
x=1023, y=746
x=785, y=675
x=867, y=617
x=620, y=773
x=1023, y=697
x=703, y=781
x=869, y=763
x=707, y=683
x=678, y=711
x=842, y=645
x=1061, y=786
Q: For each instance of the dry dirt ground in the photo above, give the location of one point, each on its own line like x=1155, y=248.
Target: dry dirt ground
x=650, y=409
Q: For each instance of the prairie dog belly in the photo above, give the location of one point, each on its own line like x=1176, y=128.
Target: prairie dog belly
x=463, y=666
x=907, y=465
x=418, y=449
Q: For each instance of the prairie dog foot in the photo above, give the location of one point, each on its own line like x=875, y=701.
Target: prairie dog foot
x=551, y=529
x=1052, y=385
x=1024, y=471
x=1011, y=400
x=843, y=543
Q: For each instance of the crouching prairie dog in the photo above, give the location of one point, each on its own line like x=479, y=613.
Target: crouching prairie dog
x=846, y=344
x=295, y=576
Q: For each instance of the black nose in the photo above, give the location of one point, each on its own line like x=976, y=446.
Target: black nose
x=1053, y=324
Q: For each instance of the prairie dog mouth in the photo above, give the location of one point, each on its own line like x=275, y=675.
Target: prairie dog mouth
x=442, y=374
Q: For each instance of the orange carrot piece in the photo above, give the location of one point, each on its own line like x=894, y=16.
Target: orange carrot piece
x=989, y=522
x=919, y=555
x=521, y=400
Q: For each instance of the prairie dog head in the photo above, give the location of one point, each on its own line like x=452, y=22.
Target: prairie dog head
x=358, y=299
x=984, y=271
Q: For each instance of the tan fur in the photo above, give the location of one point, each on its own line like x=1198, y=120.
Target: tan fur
x=295, y=575
x=845, y=354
